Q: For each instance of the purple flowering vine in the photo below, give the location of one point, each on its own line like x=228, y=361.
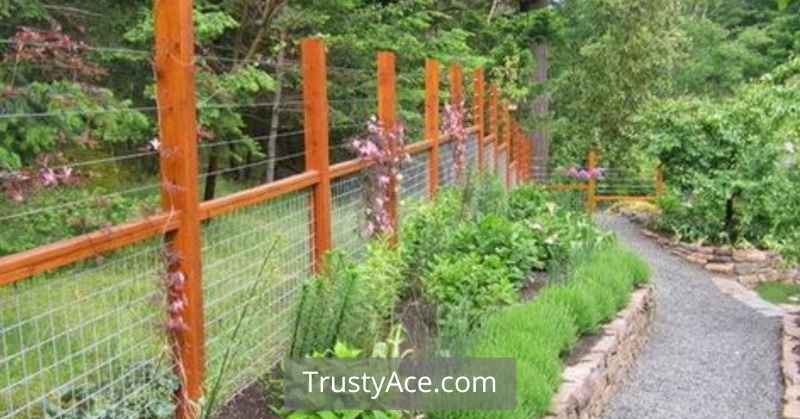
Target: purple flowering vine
x=585, y=174
x=385, y=150
x=453, y=125
x=174, y=282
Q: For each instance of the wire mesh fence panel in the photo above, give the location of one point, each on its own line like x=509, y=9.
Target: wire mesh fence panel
x=488, y=158
x=255, y=261
x=447, y=173
x=622, y=182
x=87, y=340
x=502, y=164
x=414, y=186
x=471, y=151
x=348, y=214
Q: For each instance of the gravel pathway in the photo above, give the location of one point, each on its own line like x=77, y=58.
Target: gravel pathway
x=709, y=355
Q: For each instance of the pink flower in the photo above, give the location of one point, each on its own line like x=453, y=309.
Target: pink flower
x=48, y=177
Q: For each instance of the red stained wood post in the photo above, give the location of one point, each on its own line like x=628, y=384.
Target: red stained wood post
x=315, y=115
x=456, y=76
x=591, y=191
x=480, y=114
x=387, y=104
x=177, y=113
x=495, y=121
x=507, y=141
x=432, y=122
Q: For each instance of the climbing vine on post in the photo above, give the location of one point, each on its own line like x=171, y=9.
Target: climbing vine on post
x=384, y=150
x=453, y=119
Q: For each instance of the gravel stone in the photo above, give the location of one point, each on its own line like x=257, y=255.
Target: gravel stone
x=709, y=356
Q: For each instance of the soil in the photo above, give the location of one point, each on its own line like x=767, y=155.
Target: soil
x=254, y=402
x=583, y=347
x=418, y=318
x=536, y=281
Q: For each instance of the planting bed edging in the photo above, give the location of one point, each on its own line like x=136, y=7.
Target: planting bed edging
x=588, y=385
x=750, y=267
x=790, y=365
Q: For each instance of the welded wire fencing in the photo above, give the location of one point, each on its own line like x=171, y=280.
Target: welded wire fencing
x=126, y=297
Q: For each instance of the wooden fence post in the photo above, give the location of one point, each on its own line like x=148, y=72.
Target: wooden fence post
x=507, y=141
x=591, y=192
x=493, y=118
x=480, y=115
x=387, y=104
x=432, y=122
x=315, y=116
x=659, y=180
x=177, y=114
x=456, y=85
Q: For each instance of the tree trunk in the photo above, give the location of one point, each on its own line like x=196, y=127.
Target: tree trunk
x=541, y=105
x=274, y=124
x=731, y=226
x=211, y=177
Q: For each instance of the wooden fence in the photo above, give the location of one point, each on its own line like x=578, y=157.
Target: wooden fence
x=501, y=147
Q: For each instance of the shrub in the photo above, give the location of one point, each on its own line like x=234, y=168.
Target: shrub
x=580, y=302
x=528, y=202
x=428, y=231
x=465, y=288
x=518, y=246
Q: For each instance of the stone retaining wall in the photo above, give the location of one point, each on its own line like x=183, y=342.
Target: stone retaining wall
x=750, y=267
x=790, y=365
x=588, y=385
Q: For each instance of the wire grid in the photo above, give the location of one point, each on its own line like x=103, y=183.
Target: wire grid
x=541, y=171
x=86, y=336
x=255, y=261
x=502, y=165
x=626, y=182
x=348, y=212
x=447, y=168
x=414, y=186
x=489, y=163
x=471, y=151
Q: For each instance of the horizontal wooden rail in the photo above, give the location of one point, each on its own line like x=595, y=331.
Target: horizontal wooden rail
x=557, y=187
x=21, y=265
x=257, y=195
x=624, y=198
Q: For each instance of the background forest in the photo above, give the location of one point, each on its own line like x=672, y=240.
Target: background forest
x=700, y=86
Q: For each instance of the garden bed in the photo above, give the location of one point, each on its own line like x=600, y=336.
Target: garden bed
x=599, y=363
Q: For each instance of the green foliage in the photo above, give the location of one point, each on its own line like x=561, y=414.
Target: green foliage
x=613, y=60
x=779, y=293
x=158, y=383
x=464, y=288
x=343, y=351
x=731, y=161
x=517, y=245
x=75, y=116
x=538, y=333
x=65, y=219
x=349, y=303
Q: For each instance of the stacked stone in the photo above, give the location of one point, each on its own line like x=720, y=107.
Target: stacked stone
x=588, y=385
x=750, y=267
x=790, y=365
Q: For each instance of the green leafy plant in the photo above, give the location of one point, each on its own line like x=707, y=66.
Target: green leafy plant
x=349, y=303
x=465, y=288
